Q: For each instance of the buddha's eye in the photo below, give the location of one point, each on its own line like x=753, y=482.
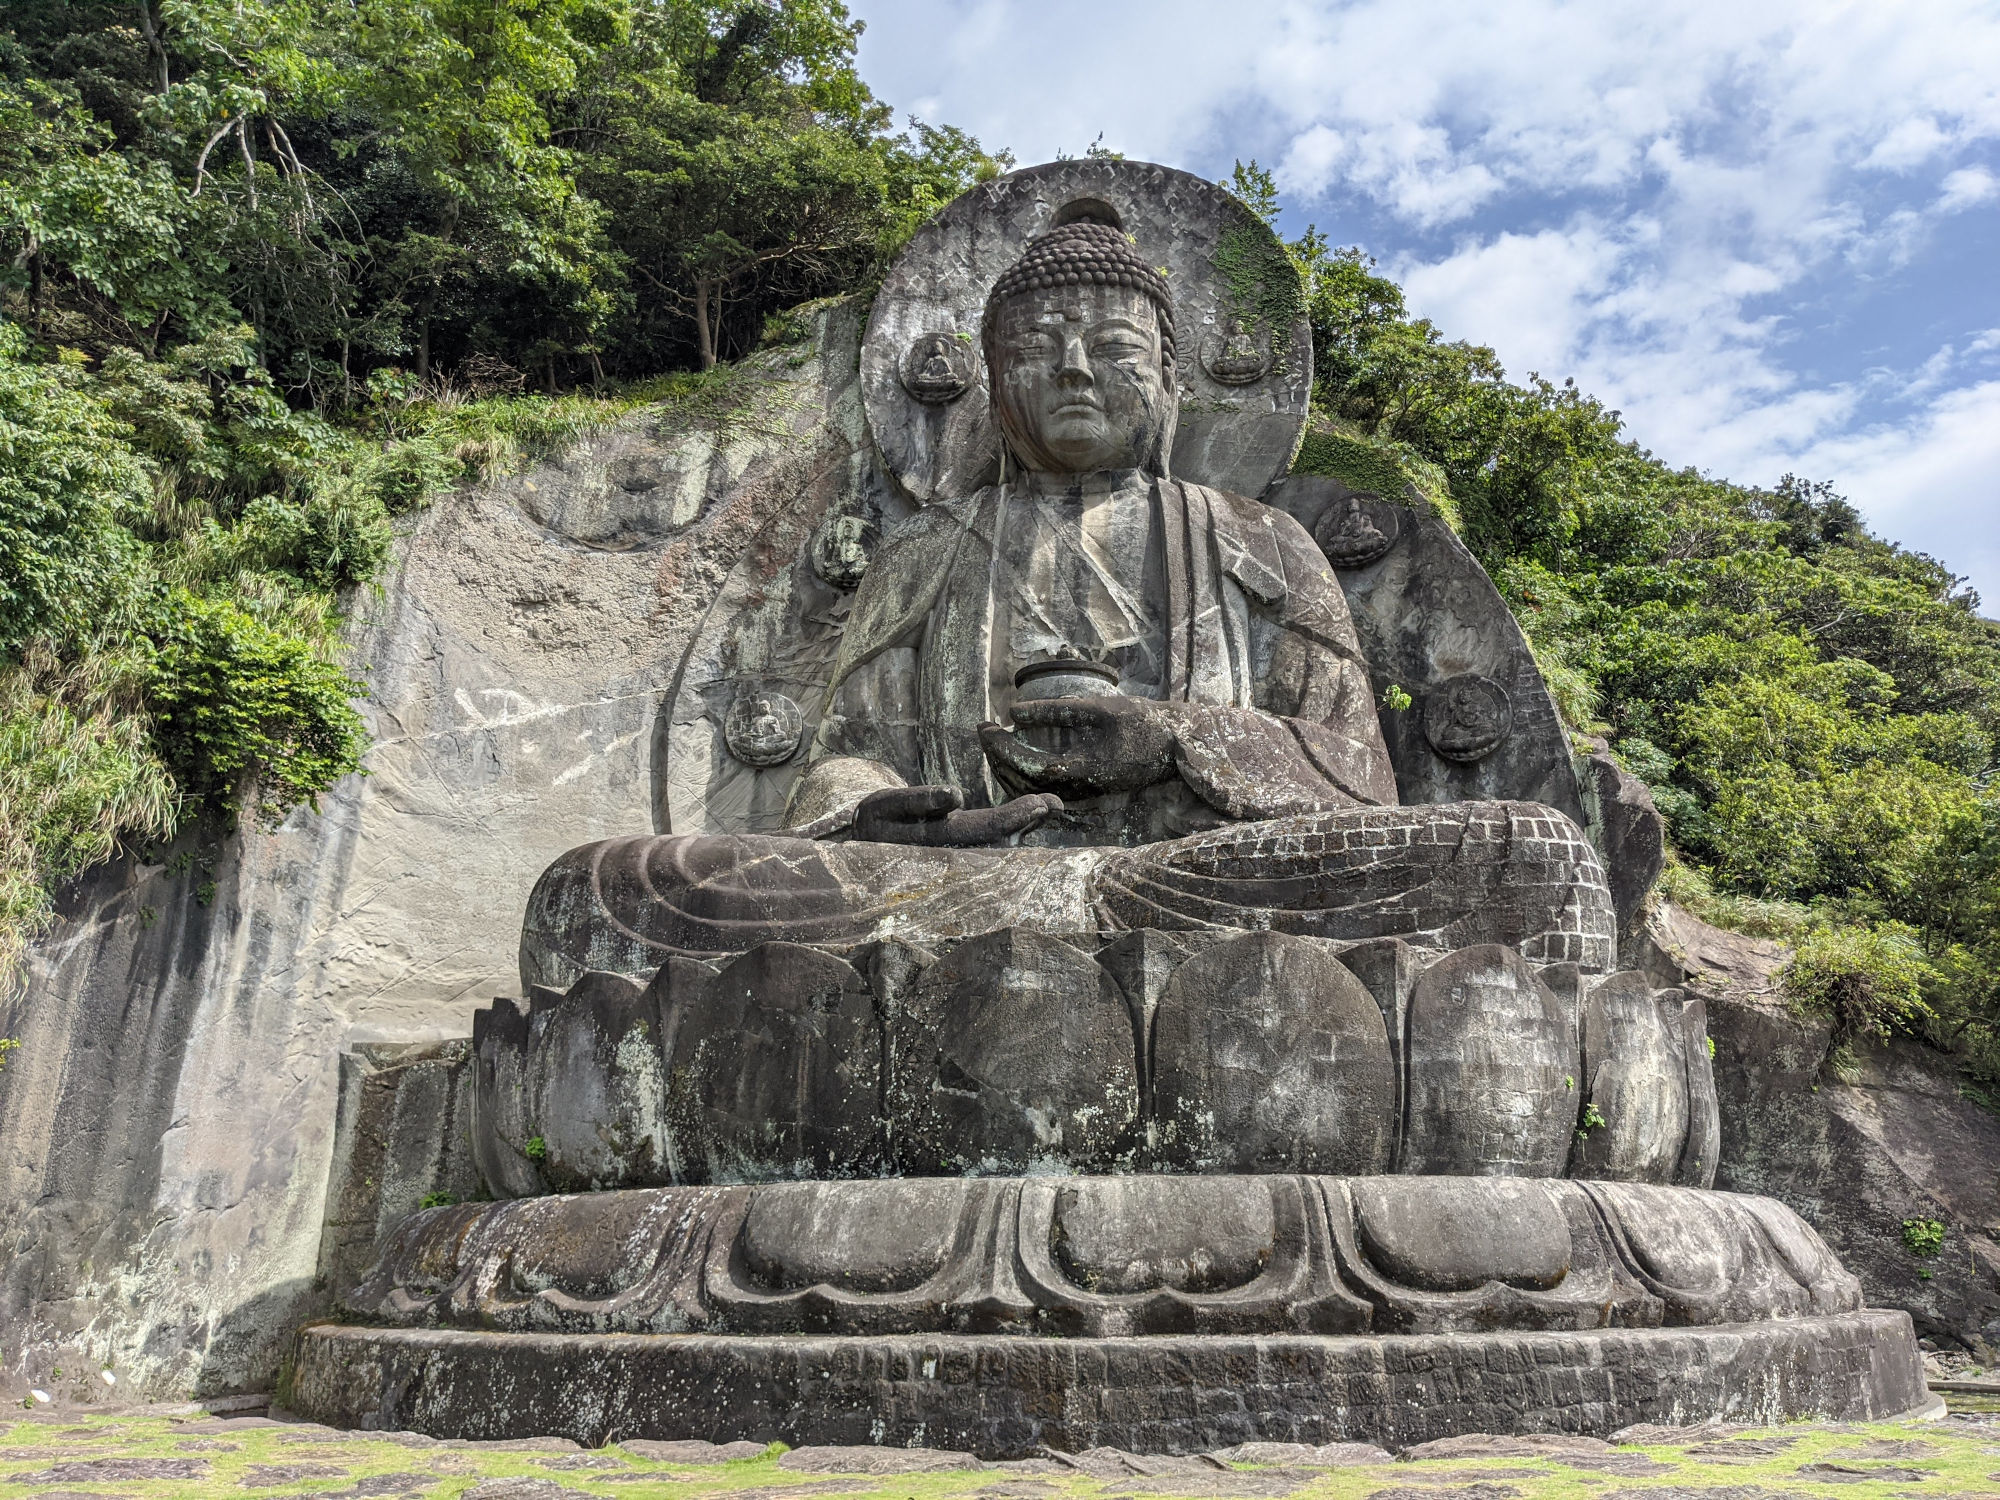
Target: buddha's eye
x=1118, y=346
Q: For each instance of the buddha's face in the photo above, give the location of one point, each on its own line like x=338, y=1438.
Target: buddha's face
x=1079, y=381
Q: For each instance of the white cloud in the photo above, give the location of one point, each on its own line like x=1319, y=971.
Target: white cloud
x=1314, y=156
x=1914, y=141
x=1966, y=188
x=1533, y=295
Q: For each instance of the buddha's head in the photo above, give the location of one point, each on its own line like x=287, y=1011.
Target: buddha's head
x=1079, y=343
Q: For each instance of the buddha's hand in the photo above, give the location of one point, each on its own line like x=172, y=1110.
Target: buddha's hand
x=935, y=816
x=1113, y=744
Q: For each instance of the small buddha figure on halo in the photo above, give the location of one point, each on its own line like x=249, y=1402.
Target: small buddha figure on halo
x=937, y=376
x=1236, y=359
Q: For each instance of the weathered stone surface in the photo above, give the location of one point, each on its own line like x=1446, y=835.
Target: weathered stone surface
x=1701, y=1151
x=1504, y=1445
x=856, y=1459
x=772, y=631
x=775, y=1068
x=1857, y=1158
x=1103, y=1256
x=1427, y=615
x=167, y=1126
x=1626, y=827
x=270, y=1476
x=114, y=1470
x=519, y=1487
x=1018, y=1054
x=1488, y=1042
x=1000, y=1397
x=1634, y=1077
x=1451, y=1234
x=1221, y=262
x=1675, y=948
x=503, y=1102
x=597, y=1085
x=1437, y=877
x=1209, y=1049
x=402, y=1133
x=1270, y=1056
x=1304, y=1455
x=691, y=1450
x=1388, y=970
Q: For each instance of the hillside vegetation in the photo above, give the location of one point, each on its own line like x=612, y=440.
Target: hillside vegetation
x=273, y=272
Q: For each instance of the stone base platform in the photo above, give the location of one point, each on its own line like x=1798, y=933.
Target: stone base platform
x=1002, y=1396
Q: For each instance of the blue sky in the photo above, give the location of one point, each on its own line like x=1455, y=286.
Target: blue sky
x=1768, y=232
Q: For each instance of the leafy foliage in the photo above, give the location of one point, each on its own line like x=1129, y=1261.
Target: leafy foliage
x=273, y=273
x=1924, y=1238
x=1816, y=711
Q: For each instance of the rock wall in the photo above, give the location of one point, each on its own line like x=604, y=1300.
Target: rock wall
x=167, y=1126
x=1855, y=1151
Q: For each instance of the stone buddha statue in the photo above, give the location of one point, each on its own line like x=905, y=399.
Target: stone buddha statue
x=1088, y=698
x=1081, y=1004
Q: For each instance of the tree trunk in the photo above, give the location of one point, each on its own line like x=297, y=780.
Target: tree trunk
x=704, y=326
x=153, y=43
x=424, y=339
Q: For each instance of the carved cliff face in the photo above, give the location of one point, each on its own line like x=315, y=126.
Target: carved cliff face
x=1079, y=383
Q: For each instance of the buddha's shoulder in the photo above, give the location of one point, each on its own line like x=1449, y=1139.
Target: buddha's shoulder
x=1255, y=522
x=940, y=519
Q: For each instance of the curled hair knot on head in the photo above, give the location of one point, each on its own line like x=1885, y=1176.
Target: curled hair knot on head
x=1082, y=253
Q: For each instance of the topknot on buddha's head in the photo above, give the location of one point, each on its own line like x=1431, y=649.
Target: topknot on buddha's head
x=1083, y=253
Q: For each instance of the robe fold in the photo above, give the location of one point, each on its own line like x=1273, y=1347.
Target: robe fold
x=1200, y=598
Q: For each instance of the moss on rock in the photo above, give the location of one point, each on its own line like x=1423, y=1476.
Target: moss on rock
x=1336, y=449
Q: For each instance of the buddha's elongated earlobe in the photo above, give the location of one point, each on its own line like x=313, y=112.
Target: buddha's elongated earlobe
x=1163, y=446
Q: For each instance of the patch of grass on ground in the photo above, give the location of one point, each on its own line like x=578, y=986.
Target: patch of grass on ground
x=204, y=1459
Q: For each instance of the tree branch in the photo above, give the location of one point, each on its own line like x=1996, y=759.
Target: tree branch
x=249, y=161
x=201, y=162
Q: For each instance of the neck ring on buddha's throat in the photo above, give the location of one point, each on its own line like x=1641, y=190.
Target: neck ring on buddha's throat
x=1053, y=484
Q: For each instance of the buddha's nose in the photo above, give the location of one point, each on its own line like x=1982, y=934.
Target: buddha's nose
x=1075, y=365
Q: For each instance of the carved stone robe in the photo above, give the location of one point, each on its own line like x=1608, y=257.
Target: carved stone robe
x=1213, y=603
x=1217, y=604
